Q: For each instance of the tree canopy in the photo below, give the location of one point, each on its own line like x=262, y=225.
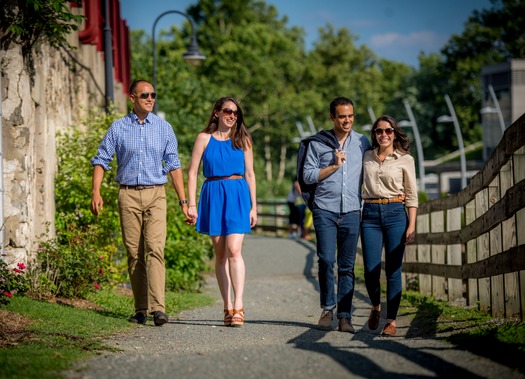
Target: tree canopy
x=255, y=56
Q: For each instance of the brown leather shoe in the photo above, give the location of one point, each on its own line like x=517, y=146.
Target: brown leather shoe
x=345, y=325
x=389, y=329
x=325, y=321
x=374, y=319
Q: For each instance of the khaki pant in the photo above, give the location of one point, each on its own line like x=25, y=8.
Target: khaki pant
x=143, y=223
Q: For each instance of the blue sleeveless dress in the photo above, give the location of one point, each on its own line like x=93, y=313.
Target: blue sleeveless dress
x=224, y=205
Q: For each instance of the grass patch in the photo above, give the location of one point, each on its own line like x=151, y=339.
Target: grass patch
x=40, y=339
x=502, y=341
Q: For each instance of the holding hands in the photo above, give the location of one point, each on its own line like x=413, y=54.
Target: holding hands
x=191, y=217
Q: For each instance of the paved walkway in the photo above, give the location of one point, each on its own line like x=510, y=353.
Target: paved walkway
x=279, y=339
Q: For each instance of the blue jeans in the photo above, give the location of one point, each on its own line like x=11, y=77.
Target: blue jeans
x=336, y=233
x=384, y=224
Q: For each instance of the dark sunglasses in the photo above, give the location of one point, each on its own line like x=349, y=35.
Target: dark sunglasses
x=145, y=95
x=229, y=112
x=388, y=131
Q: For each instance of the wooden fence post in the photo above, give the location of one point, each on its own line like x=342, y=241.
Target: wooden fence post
x=519, y=175
x=423, y=255
x=483, y=251
x=454, y=252
x=471, y=254
x=437, y=225
x=497, y=292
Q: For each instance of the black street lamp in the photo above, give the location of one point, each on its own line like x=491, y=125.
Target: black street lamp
x=192, y=56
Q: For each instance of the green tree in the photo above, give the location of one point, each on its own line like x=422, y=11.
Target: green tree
x=490, y=36
x=253, y=55
x=338, y=67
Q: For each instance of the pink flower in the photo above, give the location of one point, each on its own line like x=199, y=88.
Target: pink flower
x=21, y=266
x=17, y=270
x=8, y=294
x=97, y=286
x=102, y=271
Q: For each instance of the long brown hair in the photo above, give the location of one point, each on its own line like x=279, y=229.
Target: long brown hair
x=239, y=134
x=401, y=142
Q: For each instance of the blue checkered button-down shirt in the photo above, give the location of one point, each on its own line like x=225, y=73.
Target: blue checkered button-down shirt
x=145, y=152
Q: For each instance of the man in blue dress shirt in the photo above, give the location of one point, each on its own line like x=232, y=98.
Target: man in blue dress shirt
x=146, y=150
x=337, y=209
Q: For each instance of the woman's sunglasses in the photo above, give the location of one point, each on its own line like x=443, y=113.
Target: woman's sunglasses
x=145, y=95
x=229, y=112
x=387, y=131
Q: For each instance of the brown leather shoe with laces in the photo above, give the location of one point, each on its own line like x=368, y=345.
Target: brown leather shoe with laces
x=374, y=319
x=325, y=321
x=345, y=325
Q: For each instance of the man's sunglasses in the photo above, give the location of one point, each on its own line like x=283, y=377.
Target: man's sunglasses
x=145, y=95
x=388, y=131
x=229, y=112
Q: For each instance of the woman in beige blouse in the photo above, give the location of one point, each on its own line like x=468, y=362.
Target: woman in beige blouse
x=389, y=190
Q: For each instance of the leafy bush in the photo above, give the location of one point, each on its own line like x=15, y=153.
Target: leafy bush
x=187, y=252
x=12, y=281
x=72, y=265
x=75, y=147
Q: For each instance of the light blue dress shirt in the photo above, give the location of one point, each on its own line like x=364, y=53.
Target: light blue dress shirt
x=341, y=191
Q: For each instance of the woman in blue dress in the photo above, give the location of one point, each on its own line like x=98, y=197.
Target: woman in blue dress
x=227, y=206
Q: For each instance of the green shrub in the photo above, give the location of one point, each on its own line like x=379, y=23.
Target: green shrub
x=75, y=148
x=187, y=252
x=13, y=280
x=72, y=265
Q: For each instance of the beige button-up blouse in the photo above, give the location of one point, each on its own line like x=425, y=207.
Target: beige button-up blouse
x=393, y=177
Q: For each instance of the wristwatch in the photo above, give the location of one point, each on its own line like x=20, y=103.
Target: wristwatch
x=183, y=202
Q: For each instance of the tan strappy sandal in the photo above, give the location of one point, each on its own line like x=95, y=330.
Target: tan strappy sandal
x=228, y=315
x=238, y=317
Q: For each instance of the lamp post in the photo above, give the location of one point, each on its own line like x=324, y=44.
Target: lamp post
x=453, y=118
x=496, y=110
x=419, y=146
x=192, y=56
x=371, y=114
x=108, y=59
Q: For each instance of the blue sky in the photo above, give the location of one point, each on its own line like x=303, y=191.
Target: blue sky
x=395, y=29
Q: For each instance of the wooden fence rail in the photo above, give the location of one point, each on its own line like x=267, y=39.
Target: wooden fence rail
x=272, y=216
x=470, y=246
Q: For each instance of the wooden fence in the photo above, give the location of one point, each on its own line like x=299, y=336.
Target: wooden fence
x=469, y=246
x=272, y=216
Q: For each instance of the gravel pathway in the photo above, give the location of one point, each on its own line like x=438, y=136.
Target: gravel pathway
x=279, y=338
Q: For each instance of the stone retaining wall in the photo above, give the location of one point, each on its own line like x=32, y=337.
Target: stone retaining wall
x=33, y=111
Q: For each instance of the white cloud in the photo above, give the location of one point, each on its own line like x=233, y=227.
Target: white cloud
x=424, y=40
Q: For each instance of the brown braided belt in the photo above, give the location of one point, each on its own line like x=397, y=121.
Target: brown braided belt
x=211, y=178
x=398, y=199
